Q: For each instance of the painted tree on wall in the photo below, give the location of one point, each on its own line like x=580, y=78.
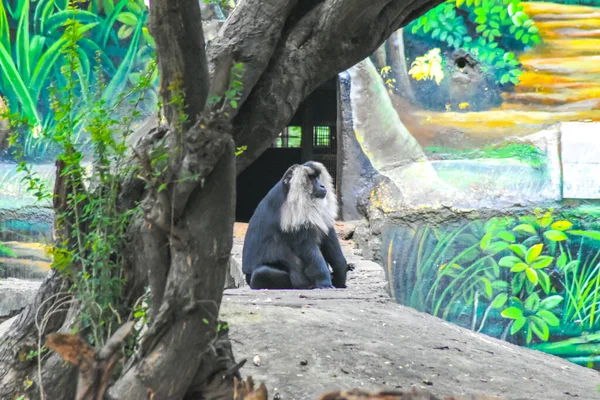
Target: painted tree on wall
x=490, y=30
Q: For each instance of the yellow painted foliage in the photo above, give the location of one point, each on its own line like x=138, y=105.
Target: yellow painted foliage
x=428, y=66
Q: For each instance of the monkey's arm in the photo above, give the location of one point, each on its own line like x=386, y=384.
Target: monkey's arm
x=332, y=252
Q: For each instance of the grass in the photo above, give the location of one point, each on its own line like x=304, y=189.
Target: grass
x=523, y=152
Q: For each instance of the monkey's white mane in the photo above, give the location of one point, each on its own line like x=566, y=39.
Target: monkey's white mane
x=300, y=209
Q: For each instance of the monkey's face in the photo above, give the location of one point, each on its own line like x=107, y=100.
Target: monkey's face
x=318, y=191
x=306, y=176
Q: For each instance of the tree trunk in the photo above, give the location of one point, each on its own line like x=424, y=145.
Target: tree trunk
x=380, y=57
x=399, y=65
x=182, y=244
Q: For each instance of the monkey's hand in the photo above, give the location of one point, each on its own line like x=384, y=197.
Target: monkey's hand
x=351, y=266
x=338, y=281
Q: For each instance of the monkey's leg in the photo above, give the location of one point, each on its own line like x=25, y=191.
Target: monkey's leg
x=317, y=270
x=266, y=277
x=332, y=252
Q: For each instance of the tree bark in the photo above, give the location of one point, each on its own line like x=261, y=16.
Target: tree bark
x=182, y=244
x=291, y=58
x=397, y=56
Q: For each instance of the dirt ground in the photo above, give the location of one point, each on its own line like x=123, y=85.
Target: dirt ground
x=307, y=343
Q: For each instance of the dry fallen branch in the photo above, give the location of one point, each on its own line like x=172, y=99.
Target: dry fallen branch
x=95, y=368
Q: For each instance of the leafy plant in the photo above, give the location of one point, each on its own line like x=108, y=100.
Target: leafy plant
x=487, y=29
x=92, y=256
x=533, y=315
x=111, y=34
x=535, y=272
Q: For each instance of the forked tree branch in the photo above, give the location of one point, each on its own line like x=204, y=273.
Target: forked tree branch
x=177, y=28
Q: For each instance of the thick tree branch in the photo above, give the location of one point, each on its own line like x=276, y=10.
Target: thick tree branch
x=250, y=34
x=180, y=51
x=343, y=33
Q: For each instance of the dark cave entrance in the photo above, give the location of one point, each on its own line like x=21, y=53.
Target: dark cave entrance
x=312, y=134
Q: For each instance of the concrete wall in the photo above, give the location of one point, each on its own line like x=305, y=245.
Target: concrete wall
x=478, y=176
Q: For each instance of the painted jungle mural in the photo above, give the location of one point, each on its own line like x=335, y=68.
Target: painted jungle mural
x=479, y=122
x=533, y=280
x=98, y=52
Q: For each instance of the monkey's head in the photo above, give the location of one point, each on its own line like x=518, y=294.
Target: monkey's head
x=308, y=176
x=310, y=198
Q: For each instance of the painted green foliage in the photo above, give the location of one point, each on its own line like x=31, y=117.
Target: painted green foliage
x=490, y=30
x=112, y=34
x=530, y=280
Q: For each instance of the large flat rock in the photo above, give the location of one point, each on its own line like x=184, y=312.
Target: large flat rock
x=15, y=294
x=311, y=342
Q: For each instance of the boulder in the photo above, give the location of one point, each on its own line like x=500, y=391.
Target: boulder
x=15, y=294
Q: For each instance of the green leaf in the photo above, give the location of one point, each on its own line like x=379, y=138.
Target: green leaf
x=571, y=265
x=531, y=275
x=533, y=253
x=485, y=240
x=124, y=31
x=519, y=250
x=127, y=18
x=550, y=302
x=532, y=302
x=549, y=317
x=108, y=6
x=12, y=79
x=542, y=262
x=509, y=261
x=588, y=234
x=525, y=228
x=488, y=287
x=4, y=27
x=544, y=280
x=517, y=283
x=562, y=260
x=119, y=80
x=540, y=328
x=519, y=267
x=496, y=247
x=555, y=236
x=22, y=43
x=561, y=225
x=506, y=236
x=517, y=325
x=500, y=300
x=512, y=313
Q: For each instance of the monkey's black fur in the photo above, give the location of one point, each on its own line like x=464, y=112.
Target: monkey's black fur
x=295, y=258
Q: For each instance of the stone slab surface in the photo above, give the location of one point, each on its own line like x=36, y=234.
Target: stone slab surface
x=312, y=342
